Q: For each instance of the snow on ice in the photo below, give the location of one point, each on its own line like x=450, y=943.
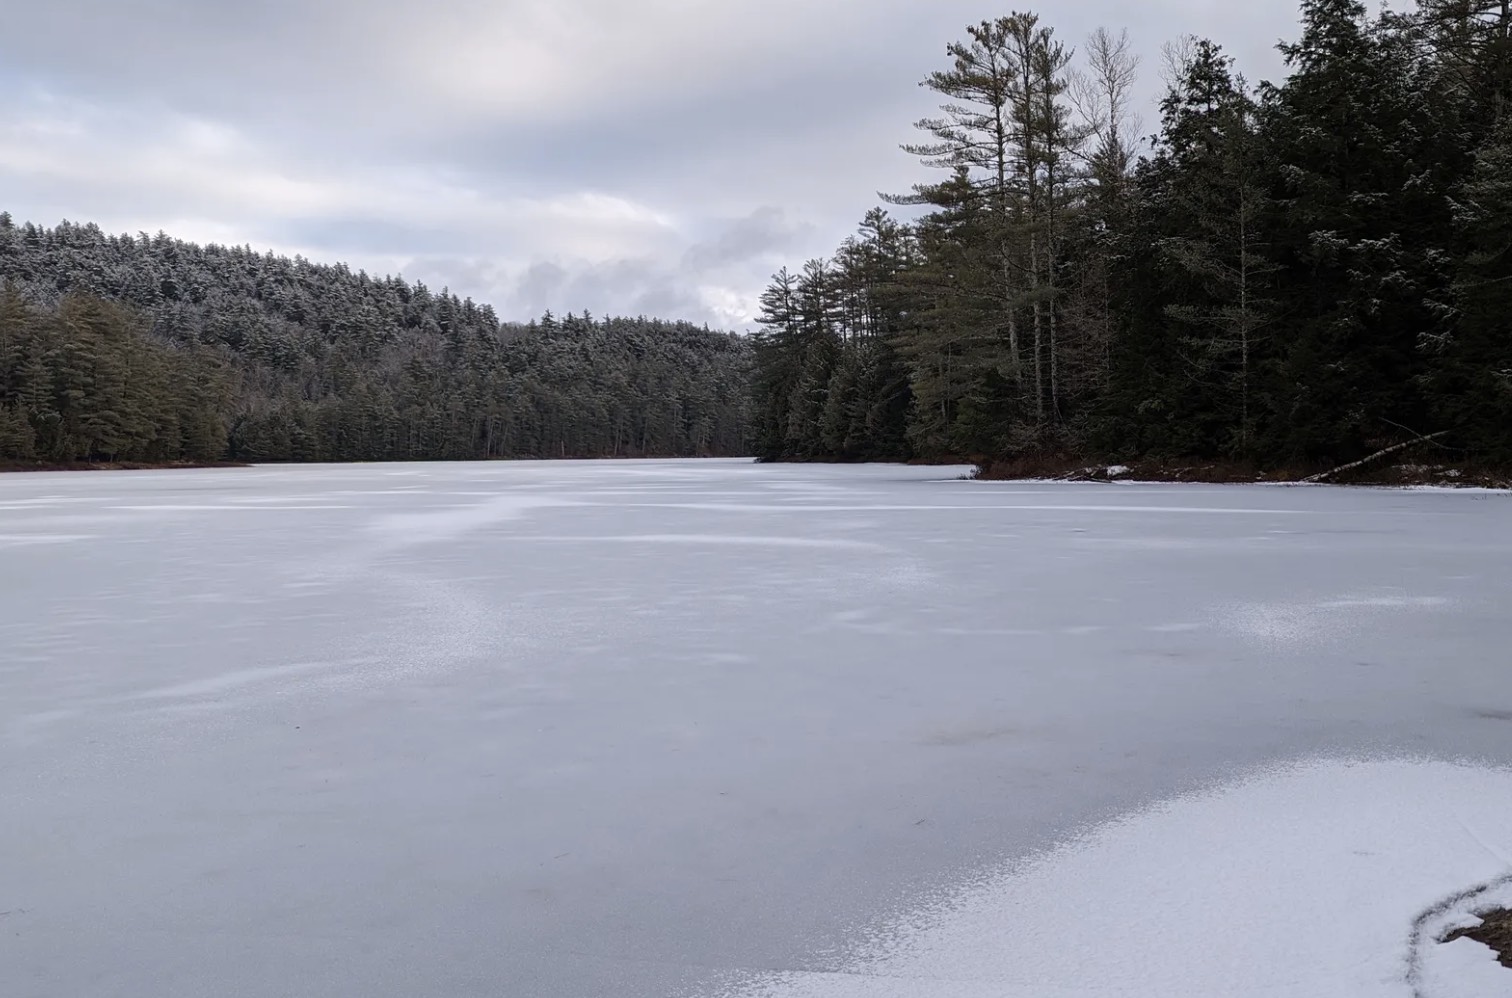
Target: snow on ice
x=568, y=730
x=1303, y=880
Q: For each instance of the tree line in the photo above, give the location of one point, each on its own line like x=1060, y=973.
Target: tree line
x=1284, y=274
x=150, y=349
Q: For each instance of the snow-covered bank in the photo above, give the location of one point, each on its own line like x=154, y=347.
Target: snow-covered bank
x=1322, y=879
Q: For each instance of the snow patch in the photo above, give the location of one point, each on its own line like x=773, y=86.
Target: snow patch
x=1384, y=603
x=228, y=681
x=20, y=540
x=718, y=540
x=1303, y=880
x=1291, y=622
x=219, y=508
x=1464, y=967
x=984, y=508
x=450, y=523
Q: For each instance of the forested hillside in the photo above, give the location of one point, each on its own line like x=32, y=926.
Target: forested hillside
x=1286, y=274
x=149, y=349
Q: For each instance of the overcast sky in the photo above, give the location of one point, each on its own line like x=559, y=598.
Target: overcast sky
x=623, y=156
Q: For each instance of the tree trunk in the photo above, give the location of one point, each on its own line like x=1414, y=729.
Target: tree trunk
x=1333, y=472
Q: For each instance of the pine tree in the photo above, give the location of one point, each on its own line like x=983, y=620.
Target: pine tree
x=1471, y=383
x=1212, y=192
x=1355, y=229
x=1472, y=42
x=978, y=140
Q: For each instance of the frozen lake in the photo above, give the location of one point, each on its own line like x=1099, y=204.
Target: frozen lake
x=686, y=728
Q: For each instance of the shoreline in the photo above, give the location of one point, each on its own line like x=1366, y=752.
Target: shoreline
x=1016, y=470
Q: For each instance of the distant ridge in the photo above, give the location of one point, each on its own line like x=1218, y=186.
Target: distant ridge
x=152, y=349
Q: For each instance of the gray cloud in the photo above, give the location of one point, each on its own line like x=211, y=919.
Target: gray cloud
x=617, y=155
x=761, y=233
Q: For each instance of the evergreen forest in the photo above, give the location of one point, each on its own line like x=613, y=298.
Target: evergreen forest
x=147, y=349
x=1284, y=275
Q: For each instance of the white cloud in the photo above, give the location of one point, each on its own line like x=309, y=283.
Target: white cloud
x=210, y=165
x=546, y=59
x=649, y=153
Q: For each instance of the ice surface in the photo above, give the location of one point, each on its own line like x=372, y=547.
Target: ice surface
x=672, y=728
